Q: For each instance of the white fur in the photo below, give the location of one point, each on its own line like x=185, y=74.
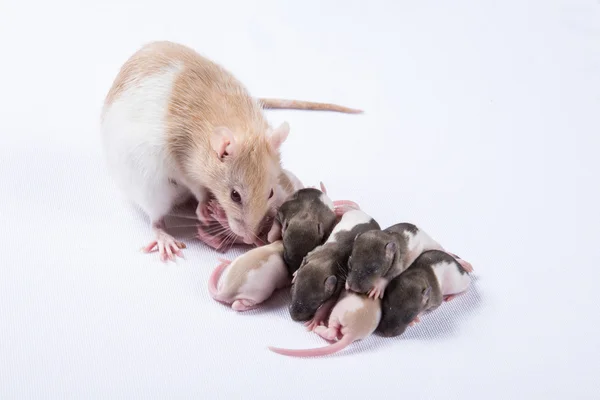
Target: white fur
x=349, y=221
x=418, y=243
x=262, y=281
x=134, y=133
x=450, y=279
x=327, y=201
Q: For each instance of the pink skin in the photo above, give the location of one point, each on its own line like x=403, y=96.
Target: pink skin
x=378, y=289
x=219, y=241
x=414, y=321
x=321, y=315
x=237, y=305
x=465, y=264
x=330, y=333
x=167, y=246
x=214, y=278
x=343, y=206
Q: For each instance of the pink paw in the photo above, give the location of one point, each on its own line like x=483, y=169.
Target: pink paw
x=326, y=333
x=415, y=321
x=243, y=305
x=167, y=246
x=465, y=264
x=378, y=289
x=313, y=324
x=343, y=206
x=203, y=212
x=449, y=297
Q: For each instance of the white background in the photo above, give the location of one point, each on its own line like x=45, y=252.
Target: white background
x=481, y=125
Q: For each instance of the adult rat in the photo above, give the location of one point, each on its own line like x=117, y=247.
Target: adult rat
x=378, y=256
x=433, y=277
x=175, y=125
x=316, y=285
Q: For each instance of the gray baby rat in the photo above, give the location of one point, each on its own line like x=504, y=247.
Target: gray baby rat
x=433, y=277
x=378, y=256
x=306, y=221
x=319, y=280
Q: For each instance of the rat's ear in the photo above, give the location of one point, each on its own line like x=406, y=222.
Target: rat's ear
x=323, y=188
x=390, y=251
x=330, y=283
x=426, y=293
x=222, y=142
x=278, y=135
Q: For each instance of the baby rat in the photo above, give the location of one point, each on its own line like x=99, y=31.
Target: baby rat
x=306, y=219
x=380, y=256
x=433, y=277
x=354, y=317
x=251, y=278
x=319, y=280
x=174, y=125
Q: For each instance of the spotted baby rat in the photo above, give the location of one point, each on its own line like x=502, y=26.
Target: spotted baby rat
x=378, y=256
x=306, y=220
x=251, y=278
x=354, y=317
x=316, y=285
x=175, y=125
x=433, y=277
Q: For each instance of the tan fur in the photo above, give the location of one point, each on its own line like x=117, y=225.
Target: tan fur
x=207, y=100
x=253, y=259
x=364, y=321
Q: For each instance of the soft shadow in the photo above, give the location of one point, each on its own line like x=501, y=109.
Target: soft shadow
x=444, y=322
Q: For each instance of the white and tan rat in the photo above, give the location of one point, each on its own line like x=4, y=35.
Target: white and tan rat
x=175, y=125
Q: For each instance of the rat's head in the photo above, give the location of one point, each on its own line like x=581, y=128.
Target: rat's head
x=313, y=285
x=306, y=221
x=246, y=177
x=401, y=305
x=300, y=236
x=372, y=256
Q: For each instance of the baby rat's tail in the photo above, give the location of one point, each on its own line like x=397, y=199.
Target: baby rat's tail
x=305, y=105
x=213, y=281
x=320, y=351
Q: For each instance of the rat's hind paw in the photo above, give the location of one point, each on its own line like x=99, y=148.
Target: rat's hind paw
x=243, y=305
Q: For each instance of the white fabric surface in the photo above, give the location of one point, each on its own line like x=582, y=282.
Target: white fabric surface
x=481, y=125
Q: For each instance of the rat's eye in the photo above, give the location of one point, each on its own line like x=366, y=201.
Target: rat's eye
x=235, y=196
x=271, y=194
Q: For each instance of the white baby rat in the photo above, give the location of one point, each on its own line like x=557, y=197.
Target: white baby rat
x=175, y=125
x=251, y=278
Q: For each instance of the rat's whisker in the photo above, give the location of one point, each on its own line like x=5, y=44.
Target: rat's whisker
x=183, y=216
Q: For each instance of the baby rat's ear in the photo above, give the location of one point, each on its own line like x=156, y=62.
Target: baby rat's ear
x=426, y=293
x=278, y=135
x=390, y=250
x=323, y=188
x=223, y=142
x=330, y=283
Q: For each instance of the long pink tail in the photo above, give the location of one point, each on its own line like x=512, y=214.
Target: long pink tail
x=316, y=352
x=214, y=279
